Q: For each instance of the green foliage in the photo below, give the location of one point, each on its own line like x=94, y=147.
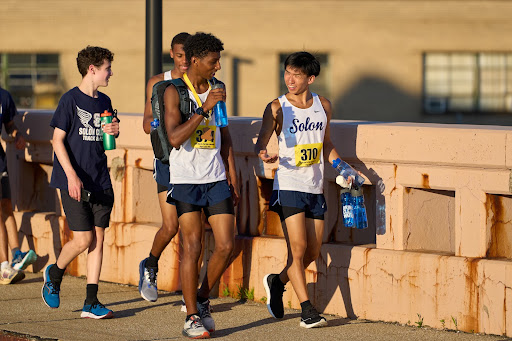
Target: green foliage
x=240, y=292
x=443, y=322
x=419, y=323
x=455, y=323
x=249, y=294
x=226, y=292
x=263, y=300
x=244, y=294
x=290, y=304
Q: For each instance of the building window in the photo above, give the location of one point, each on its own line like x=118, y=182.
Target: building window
x=321, y=84
x=32, y=79
x=467, y=82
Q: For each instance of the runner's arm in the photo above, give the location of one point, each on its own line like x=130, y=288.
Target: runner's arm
x=74, y=183
x=268, y=126
x=148, y=111
x=330, y=152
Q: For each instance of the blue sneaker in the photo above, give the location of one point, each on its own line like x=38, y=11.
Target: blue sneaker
x=147, y=282
x=96, y=311
x=51, y=289
x=22, y=260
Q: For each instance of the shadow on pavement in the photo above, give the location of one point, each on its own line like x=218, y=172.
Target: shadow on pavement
x=229, y=331
x=31, y=280
x=337, y=322
x=131, y=312
x=218, y=308
x=140, y=299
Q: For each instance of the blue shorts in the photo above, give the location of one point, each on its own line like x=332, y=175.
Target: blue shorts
x=313, y=205
x=161, y=173
x=203, y=195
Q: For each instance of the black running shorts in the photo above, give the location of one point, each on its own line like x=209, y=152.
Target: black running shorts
x=223, y=207
x=84, y=216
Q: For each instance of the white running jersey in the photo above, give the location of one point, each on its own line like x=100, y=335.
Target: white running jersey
x=301, y=162
x=167, y=75
x=198, y=160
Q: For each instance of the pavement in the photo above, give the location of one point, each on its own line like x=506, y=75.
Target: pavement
x=24, y=316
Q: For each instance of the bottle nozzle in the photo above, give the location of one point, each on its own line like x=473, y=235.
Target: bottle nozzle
x=335, y=163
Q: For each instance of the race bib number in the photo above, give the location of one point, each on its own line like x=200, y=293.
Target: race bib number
x=204, y=137
x=307, y=154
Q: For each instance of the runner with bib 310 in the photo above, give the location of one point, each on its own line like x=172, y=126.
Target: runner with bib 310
x=300, y=120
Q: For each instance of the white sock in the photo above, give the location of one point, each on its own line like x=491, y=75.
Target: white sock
x=4, y=265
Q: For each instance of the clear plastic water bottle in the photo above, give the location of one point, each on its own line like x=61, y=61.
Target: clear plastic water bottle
x=346, y=171
x=360, y=218
x=380, y=205
x=219, y=110
x=347, y=207
x=154, y=124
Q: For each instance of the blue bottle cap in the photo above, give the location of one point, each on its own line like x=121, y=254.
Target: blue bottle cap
x=335, y=163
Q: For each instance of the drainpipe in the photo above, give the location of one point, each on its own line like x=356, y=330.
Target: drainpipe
x=153, y=38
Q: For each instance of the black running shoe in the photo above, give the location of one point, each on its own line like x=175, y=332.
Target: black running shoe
x=274, y=288
x=310, y=318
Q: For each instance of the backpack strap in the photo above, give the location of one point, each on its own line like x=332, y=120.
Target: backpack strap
x=185, y=102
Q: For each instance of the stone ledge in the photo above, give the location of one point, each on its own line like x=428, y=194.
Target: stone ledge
x=354, y=281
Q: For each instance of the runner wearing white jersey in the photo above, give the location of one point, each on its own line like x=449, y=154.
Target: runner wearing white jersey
x=203, y=178
x=300, y=120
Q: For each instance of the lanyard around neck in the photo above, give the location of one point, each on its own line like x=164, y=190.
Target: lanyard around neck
x=191, y=88
x=196, y=96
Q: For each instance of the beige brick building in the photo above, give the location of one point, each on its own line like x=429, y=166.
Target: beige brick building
x=382, y=60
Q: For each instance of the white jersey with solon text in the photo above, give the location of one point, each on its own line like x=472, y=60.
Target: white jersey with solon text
x=301, y=162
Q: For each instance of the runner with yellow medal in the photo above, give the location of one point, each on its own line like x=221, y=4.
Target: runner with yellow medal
x=204, y=136
x=200, y=165
x=300, y=120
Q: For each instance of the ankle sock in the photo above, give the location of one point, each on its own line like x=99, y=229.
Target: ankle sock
x=4, y=265
x=56, y=273
x=152, y=261
x=92, y=293
x=279, y=282
x=189, y=316
x=13, y=251
x=201, y=300
x=306, y=305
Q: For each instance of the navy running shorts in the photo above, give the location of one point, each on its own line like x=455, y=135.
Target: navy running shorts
x=161, y=175
x=200, y=194
x=288, y=203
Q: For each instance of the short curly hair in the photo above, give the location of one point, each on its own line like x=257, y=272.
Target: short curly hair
x=200, y=44
x=94, y=55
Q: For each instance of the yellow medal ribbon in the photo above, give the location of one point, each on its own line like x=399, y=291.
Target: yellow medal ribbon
x=196, y=96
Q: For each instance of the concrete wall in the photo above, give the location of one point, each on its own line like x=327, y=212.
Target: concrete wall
x=439, y=209
x=375, y=48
